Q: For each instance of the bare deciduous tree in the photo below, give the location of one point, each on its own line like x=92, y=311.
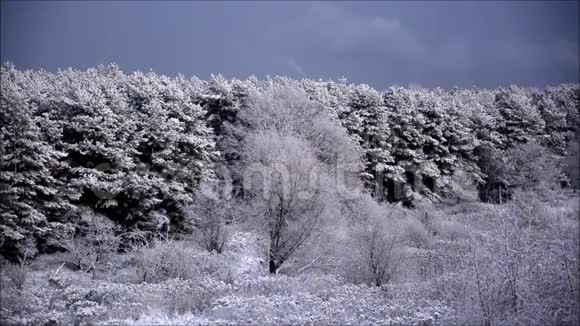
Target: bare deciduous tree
x=291, y=200
x=286, y=166
x=18, y=272
x=208, y=215
x=91, y=241
x=572, y=165
x=379, y=247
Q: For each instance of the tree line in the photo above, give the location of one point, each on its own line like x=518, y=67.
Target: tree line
x=137, y=147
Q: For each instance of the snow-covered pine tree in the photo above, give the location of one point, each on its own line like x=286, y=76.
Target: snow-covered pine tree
x=176, y=147
x=560, y=108
x=30, y=190
x=407, y=140
x=374, y=132
x=519, y=119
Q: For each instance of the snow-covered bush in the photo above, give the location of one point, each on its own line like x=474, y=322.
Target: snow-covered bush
x=193, y=295
x=90, y=241
x=164, y=260
x=77, y=303
x=344, y=304
x=17, y=272
x=181, y=260
x=525, y=272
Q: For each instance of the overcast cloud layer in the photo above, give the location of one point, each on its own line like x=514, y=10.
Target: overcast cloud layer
x=445, y=44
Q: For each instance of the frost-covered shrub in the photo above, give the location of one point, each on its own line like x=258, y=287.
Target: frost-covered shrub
x=344, y=304
x=285, y=285
x=180, y=259
x=524, y=272
x=208, y=216
x=415, y=232
x=379, y=247
x=90, y=241
x=463, y=186
x=192, y=295
x=164, y=260
x=77, y=301
x=17, y=272
x=452, y=230
x=30, y=307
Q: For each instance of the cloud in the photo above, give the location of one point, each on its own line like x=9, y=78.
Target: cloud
x=342, y=32
x=390, y=41
x=383, y=50
x=566, y=52
x=294, y=65
x=345, y=32
x=529, y=55
x=454, y=54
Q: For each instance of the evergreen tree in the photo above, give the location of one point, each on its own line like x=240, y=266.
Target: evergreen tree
x=519, y=119
x=29, y=188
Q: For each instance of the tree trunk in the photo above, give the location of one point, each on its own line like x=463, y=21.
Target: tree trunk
x=273, y=266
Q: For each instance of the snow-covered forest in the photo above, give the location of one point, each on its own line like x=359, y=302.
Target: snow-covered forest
x=145, y=199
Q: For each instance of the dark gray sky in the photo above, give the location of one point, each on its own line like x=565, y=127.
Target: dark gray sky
x=459, y=43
